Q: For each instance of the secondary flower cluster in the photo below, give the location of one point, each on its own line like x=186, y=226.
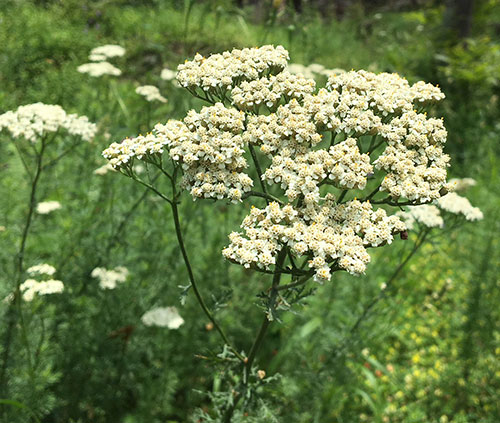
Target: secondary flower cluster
x=223, y=71
x=41, y=269
x=454, y=203
x=34, y=121
x=208, y=145
x=46, y=207
x=99, y=66
x=341, y=165
x=150, y=93
x=429, y=215
x=97, y=69
x=108, y=279
x=32, y=287
x=326, y=235
x=360, y=127
x=166, y=317
x=108, y=51
x=249, y=95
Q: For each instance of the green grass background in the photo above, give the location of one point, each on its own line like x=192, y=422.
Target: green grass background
x=429, y=352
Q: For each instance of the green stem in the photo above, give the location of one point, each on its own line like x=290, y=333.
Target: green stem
x=266, y=321
x=178, y=232
x=257, y=167
x=19, y=266
x=254, y=349
x=265, y=195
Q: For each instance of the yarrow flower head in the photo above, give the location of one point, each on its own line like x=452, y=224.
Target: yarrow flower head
x=46, y=207
x=336, y=155
x=102, y=170
x=168, y=74
x=32, y=287
x=41, y=269
x=427, y=215
x=150, y=93
x=98, y=69
x=34, y=121
x=107, y=51
x=454, y=203
x=109, y=279
x=459, y=185
x=167, y=317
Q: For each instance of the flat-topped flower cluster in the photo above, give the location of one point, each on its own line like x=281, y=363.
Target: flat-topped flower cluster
x=325, y=233
x=34, y=121
x=99, y=66
x=362, y=131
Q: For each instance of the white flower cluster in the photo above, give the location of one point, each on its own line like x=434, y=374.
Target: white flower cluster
x=108, y=51
x=98, y=69
x=207, y=144
x=414, y=158
x=212, y=156
x=463, y=184
x=426, y=214
x=342, y=166
x=167, y=317
x=102, y=170
x=41, y=269
x=331, y=235
x=457, y=204
x=30, y=287
x=150, y=93
x=249, y=95
x=313, y=70
x=384, y=93
x=290, y=128
x=46, y=207
x=223, y=71
x=168, y=74
x=430, y=215
x=373, y=130
x=108, y=279
x=122, y=154
x=33, y=121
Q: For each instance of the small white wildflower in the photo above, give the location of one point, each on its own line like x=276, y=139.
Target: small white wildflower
x=31, y=287
x=163, y=317
x=427, y=215
x=102, y=170
x=41, y=269
x=150, y=93
x=462, y=184
x=33, y=121
x=108, y=279
x=456, y=204
x=97, y=57
x=168, y=74
x=51, y=286
x=106, y=51
x=97, y=69
x=46, y=207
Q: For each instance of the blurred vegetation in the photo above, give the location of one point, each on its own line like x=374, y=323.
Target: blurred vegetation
x=427, y=352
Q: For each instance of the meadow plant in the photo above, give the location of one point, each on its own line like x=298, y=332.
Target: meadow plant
x=42, y=134
x=332, y=165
